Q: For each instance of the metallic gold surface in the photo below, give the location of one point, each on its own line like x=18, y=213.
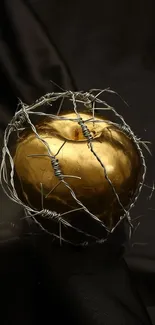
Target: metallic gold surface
x=114, y=148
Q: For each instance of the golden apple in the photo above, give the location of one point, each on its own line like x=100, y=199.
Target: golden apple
x=40, y=187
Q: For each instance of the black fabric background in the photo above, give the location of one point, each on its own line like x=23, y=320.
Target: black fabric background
x=81, y=45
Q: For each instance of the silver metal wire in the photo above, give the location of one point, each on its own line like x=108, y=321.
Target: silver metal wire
x=91, y=100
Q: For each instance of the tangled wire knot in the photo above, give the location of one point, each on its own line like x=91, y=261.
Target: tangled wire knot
x=22, y=116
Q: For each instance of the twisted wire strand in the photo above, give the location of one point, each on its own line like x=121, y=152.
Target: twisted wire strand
x=22, y=116
x=126, y=128
x=89, y=138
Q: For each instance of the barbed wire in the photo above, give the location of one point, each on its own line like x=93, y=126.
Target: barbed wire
x=89, y=100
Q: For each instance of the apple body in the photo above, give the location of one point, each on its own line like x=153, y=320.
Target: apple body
x=40, y=188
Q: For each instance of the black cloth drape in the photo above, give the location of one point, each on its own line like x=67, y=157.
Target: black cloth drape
x=28, y=57
x=80, y=45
